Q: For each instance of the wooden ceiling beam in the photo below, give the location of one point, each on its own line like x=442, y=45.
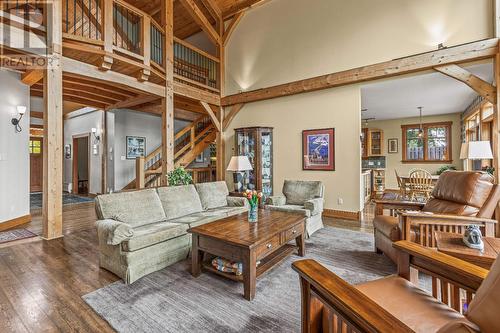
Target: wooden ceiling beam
x=230, y=116
x=32, y=76
x=239, y=6
x=230, y=28
x=483, y=88
x=213, y=9
x=36, y=114
x=452, y=55
x=89, y=83
x=131, y=102
x=188, y=91
x=201, y=19
x=212, y=115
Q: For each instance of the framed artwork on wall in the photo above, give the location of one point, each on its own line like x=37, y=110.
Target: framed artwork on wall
x=200, y=158
x=318, y=149
x=392, y=146
x=136, y=147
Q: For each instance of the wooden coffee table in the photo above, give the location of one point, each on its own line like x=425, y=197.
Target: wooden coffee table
x=235, y=239
x=452, y=244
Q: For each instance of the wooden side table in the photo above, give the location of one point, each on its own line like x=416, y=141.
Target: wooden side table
x=452, y=244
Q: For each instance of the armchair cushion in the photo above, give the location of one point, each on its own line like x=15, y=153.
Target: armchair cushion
x=484, y=308
x=277, y=200
x=213, y=194
x=297, y=192
x=315, y=206
x=292, y=209
x=114, y=232
x=411, y=305
x=459, y=326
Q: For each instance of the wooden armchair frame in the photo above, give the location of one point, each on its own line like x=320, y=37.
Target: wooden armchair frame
x=352, y=311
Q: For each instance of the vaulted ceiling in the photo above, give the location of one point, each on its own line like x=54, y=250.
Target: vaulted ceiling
x=184, y=25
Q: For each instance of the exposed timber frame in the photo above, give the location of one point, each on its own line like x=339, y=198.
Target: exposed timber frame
x=453, y=55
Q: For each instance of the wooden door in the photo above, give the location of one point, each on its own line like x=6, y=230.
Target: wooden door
x=36, y=164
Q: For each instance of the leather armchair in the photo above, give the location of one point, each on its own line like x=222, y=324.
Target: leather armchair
x=460, y=198
x=396, y=303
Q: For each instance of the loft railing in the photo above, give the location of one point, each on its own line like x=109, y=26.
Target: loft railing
x=83, y=18
x=26, y=10
x=127, y=27
x=157, y=41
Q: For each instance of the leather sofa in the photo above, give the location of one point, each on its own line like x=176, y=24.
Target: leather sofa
x=305, y=197
x=458, y=199
x=143, y=231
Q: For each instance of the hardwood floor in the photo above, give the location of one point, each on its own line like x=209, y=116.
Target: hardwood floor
x=41, y=282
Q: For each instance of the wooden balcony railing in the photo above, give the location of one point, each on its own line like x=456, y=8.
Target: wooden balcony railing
x=202, y=175
x=83, y=18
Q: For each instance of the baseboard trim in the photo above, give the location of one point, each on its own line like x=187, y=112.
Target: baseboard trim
x=9, y=224
x=342, y=214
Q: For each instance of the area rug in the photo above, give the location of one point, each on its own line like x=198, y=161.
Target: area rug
x=68, y=199
x=171, y=300
x=16, y=234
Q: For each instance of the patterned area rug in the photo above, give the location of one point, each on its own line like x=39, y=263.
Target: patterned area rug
x=171, y=300
x=16, y=234
x=68, y=199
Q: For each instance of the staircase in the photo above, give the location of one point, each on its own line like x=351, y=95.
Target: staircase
x=190, y=142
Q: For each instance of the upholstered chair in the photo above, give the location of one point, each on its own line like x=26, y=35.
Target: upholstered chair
x=457, y=297
x=459, y=198
x=305, y=197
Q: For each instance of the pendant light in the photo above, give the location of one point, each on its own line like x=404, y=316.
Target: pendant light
x=421, y=129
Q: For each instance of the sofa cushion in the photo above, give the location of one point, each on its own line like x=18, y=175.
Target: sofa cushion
x=227, y=211
x=135, y=208
x=411, y=305
x=196, y=219
x=297, y=192
x=291, y=209
x=154, y=233
x=212, y=195
x=179, y=200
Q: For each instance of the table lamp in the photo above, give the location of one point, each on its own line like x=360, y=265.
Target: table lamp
x=238, y=165
x=476, y=150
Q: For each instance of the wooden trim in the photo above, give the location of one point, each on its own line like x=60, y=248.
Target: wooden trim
x=30, y=77
x=212, y=115
x=82, y=39
x=452, y=55
x=12, y=223
x=425, y=126
x=483, y=88
x=229, y=118
x=341, y=214
x=213, y=8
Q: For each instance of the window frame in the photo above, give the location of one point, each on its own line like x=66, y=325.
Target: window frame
x=425, y=127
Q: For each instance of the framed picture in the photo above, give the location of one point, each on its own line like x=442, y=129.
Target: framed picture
x=200, y=158
x=318, y=149
x=136, y=147
x=392, y=146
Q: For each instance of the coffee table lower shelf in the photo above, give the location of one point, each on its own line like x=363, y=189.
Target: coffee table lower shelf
x=265, y=264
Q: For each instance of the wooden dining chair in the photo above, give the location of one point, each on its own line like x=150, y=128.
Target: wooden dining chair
x=401, y=184
x=420, y=184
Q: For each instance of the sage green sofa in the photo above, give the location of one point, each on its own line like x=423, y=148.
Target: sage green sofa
x=143, y=231
x=305, y=197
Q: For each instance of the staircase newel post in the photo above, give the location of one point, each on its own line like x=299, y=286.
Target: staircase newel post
x=139, y=172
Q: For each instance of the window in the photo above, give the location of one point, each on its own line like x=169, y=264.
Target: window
x=35, y=147
x=434, y=145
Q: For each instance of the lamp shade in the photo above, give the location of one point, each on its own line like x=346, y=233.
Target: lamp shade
x=476, y=150
x=239, y=163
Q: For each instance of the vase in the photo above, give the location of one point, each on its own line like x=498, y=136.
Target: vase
x=253, y=215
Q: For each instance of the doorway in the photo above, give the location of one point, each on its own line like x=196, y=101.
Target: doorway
x=81, y=164
x=36, y=164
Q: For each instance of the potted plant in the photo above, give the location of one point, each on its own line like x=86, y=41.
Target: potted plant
x=253, y=198
x=179, y=176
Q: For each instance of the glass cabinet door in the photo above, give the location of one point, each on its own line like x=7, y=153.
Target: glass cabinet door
x=246, y=147
x=267, y=170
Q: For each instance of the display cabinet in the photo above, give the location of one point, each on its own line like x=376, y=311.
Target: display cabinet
x=257, y=144
x=375, y=140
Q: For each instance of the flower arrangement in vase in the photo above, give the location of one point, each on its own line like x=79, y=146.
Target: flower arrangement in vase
x=253, y=198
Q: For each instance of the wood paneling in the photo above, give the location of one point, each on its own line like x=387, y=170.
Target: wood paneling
x=354, y=216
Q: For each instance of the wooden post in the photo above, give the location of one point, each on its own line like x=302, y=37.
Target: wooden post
x=496, y=129
x=53, y=126
x=139, y=172
x=220, y=139
x=104, y=153
x=107, y=32
x=146, y=49
x=167, y=105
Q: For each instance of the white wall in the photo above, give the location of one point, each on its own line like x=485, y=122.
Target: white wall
x=288, y=40
x=82, y=125
x=14, y=153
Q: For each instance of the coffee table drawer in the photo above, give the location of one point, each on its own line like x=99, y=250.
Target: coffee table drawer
x=269, y=246
x=293, y=232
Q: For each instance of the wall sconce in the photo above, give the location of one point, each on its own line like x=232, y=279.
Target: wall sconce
x=21, y=110
x=97, y=138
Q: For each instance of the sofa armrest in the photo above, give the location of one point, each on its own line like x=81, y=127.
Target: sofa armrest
x=314, y=205
x=356, y=309
x=237, y=202
x=396, y=205
x=276, y=200
x=114, y=232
